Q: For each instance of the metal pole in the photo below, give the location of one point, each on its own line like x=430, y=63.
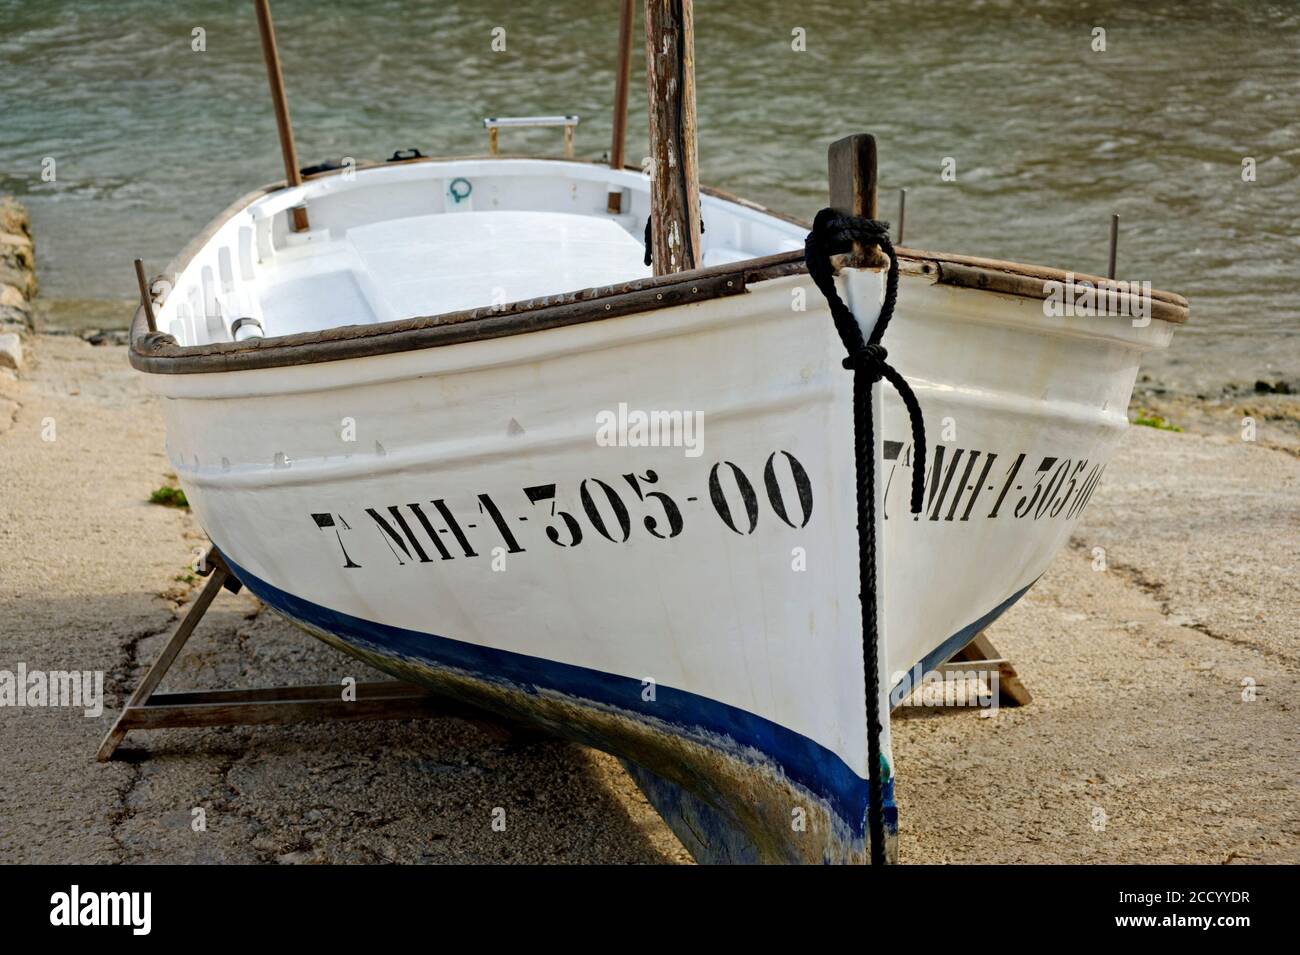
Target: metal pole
x=145, y=299
x=626, y=15
x=902, y=213
x=292, y=175
x=1114, y=244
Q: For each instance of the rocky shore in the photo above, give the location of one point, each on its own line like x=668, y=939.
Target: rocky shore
x=1265, y=410
x=18, y=283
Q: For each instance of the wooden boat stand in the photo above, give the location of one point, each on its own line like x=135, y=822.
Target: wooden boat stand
x=980, y=654
x=383, y=700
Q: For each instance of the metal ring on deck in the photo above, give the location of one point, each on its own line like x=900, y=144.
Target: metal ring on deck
x=460, y=196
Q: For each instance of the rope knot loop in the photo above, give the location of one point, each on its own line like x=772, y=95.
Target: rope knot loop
x=868, y=358
x=833, y=233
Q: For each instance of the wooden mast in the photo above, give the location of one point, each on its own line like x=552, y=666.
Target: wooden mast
x=675, y=185
x=615, y=202
x=293, y=177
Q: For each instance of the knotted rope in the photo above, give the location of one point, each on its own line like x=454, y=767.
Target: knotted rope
x=831, y=234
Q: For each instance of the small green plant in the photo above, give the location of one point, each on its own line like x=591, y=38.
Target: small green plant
x=1149, y=419
x=186, y=578
x=169, y=497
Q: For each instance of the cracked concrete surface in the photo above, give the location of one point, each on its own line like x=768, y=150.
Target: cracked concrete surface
x=1138, y=745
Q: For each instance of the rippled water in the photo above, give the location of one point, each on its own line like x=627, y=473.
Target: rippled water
x=151, y=139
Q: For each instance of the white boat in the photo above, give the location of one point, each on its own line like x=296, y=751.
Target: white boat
x=457, y=429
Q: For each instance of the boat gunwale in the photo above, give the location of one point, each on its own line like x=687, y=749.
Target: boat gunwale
x=160, y=353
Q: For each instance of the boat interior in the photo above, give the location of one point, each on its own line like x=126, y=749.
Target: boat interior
x=425, y=237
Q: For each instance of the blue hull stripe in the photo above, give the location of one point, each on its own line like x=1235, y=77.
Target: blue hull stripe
x=805, y=761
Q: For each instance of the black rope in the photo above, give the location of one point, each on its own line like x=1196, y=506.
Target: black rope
x=833, y=233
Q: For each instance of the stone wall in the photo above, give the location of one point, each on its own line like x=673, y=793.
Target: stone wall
x=17, y=281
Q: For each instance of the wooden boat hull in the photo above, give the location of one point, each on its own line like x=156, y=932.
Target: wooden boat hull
x=465, y=517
